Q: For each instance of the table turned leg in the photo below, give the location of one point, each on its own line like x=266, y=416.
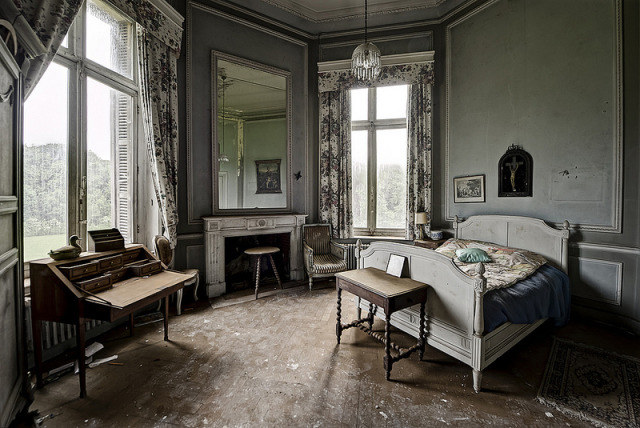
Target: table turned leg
x=338, y=313
x=257, y=275
x=422, y=328
x=131, y=324
x=275, y=271
x=387, y=345
x=370, y=316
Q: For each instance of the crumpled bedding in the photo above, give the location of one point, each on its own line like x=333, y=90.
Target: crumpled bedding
x=508, y=266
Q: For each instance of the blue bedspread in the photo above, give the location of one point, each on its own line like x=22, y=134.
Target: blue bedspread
x=545, y=294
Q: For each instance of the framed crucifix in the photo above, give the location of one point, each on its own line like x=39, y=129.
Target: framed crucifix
x=515, y=173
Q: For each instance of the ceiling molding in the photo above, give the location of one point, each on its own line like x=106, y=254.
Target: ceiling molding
x=344, y=10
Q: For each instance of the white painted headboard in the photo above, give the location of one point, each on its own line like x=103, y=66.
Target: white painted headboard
x=518, y=232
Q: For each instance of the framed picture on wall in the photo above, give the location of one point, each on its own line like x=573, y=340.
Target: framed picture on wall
x=268, y=176
x=469, y=188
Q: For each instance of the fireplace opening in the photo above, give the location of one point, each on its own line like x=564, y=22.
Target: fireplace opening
x=239, y=270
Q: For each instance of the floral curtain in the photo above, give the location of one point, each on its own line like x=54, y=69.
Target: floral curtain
x=419, y=124
x=335, y=162
x=157, y=65
x=50, y=19
x=335, y=140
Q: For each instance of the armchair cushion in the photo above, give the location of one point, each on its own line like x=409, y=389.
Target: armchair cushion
x=327, y=263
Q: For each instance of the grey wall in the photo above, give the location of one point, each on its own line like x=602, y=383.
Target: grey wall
x=207, y=29
x=544, y=74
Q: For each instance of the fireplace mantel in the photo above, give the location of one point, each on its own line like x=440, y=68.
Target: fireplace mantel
x=217, y=228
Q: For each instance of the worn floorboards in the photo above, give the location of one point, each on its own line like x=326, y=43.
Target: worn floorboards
x=275, y=362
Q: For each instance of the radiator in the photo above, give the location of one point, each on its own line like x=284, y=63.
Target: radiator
x=352, y=262
x=57, y=337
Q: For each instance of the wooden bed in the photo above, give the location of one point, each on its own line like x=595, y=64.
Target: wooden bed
x=455, y=323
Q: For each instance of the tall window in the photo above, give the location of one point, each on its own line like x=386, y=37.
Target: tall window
x=79, y=128
x=379, y=160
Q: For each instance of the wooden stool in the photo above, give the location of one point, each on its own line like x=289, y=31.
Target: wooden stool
x=391, y=294
x=264, y=251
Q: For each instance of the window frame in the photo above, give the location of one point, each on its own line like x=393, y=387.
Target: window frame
x=371, y=125
x=80, y=69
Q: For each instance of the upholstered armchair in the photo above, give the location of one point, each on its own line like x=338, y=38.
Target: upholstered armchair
x=322, y=256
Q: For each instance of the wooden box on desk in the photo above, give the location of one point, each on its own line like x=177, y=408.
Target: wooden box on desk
x=105, y=240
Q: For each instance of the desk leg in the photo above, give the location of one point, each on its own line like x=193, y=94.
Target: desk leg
x=338, y=309
x=37, y=349
x=387, y=345
x=166, y=318
x=131, y=323
x=81, y=357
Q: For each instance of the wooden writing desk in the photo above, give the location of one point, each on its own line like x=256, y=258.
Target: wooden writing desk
x=56, y=297
x=391, y=294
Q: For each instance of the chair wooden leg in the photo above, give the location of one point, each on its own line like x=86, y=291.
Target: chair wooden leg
x=310, y=282
x=179, y=301
x=195, y=288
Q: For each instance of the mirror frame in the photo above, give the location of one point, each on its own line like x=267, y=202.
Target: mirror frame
x=215, y=56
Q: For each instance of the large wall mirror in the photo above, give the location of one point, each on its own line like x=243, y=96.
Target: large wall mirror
x=251, y=127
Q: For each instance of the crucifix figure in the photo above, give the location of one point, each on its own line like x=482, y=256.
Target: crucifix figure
x=513, y=167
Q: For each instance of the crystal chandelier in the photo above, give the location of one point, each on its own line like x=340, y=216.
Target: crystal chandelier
x=365, y=61
x=223, y=157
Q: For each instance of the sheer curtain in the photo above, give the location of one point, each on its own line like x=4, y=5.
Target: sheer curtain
x=335, y=141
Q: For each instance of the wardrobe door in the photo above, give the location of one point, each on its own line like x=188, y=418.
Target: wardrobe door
x=13, y=372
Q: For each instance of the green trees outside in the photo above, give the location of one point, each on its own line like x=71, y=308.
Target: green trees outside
x=45, y=190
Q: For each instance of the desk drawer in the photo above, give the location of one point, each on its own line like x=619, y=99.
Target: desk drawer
x=112, y=262
x=79, y=271
x=146, y=268
x=130, y=256
x=95, y=285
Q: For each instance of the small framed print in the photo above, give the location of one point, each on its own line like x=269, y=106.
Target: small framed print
x=396, y=264
x=268, y=176
x=469, y=188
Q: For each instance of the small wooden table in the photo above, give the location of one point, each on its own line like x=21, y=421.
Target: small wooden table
x=264, y=251
x=392, y=294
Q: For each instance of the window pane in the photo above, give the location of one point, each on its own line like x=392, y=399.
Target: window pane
x=392, y=178
x=391, y=102
x=109, y=160
x=359, y=104
x=359, y=157
x=108, y=39
x=46, y=137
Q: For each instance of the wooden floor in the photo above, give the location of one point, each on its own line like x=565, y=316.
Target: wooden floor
x=274, y=362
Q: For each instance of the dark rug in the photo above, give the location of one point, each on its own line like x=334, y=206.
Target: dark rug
x=592, y=384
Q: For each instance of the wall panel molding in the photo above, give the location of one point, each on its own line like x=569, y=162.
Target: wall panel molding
x=597, y=280
x=611, y=222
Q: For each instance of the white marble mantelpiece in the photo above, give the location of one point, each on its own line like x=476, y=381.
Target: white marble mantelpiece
x=217, y=228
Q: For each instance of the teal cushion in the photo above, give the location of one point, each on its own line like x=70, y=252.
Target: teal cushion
x=473, y=255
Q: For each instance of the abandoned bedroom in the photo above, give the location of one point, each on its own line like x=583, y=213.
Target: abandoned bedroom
x=354, y=213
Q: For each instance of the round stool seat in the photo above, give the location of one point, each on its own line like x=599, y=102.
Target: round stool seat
x=259, y=251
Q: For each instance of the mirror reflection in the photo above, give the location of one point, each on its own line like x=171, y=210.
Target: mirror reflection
x=252, y=147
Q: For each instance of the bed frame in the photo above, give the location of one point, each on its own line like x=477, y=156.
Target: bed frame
x=455, y=321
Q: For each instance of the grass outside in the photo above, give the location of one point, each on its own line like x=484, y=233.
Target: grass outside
x=38, y=247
